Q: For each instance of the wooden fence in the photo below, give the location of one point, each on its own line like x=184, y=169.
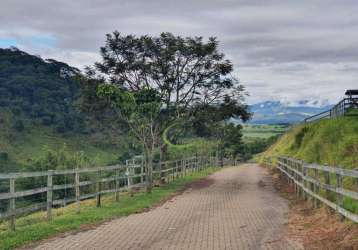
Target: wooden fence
x=342, y=108
x=315, y=182
x=61, y=187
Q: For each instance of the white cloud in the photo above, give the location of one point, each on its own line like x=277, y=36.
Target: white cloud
x=282, y=50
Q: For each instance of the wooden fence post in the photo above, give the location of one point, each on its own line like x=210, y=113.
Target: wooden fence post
x=142, y=171
x=129, y=180
x=327, y=181
x=77, y=189
x=356, y=181
x=305, y=195
x=316, y=187
x=117, y=185
x=301, y=179
x=176, y=170
x=49, y=194
x=12, y=204
x=340, y=196
x=98, y=189
x=295, y=178
x=173, y=173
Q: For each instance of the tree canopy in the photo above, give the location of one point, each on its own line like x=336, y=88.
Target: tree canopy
x=184, y=71
x=153, y=81
x=41, y=89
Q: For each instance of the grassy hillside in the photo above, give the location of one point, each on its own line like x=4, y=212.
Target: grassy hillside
x=20, y=149
x=333, y=142
x=41, y=110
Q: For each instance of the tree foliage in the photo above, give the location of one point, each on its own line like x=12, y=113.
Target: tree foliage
x=152, y=82
x=183, y=71
x=44, y=90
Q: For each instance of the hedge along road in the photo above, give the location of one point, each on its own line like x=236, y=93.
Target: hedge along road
x=236, y=208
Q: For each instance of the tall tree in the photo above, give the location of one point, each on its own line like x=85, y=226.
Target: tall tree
x=154, y=81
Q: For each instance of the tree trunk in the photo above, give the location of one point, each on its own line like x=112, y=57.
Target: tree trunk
x=149, y=174
x=161, y=160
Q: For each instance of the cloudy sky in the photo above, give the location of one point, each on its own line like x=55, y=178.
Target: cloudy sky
x=282, y=49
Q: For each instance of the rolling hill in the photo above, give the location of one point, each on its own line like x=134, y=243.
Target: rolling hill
x=41, y=112
x=275, y=112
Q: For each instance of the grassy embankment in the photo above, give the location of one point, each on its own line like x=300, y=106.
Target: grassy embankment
x=332, y=142
x=34, y=227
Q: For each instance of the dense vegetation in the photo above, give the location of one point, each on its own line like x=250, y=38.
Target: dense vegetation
x=42, y=109
x=40, y=89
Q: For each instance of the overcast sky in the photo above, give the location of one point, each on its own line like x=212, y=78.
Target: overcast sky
x=281, y=49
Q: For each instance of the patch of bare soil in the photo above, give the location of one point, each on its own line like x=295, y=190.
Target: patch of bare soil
x=198, y=184
x=202, y=183
x=316, y=228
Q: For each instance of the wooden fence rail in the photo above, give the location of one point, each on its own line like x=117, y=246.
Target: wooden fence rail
x=340, y=109
x=99, y=180
x=316, y=183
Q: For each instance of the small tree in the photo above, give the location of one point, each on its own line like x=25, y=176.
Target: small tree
x=142, y=112
x=154, y=81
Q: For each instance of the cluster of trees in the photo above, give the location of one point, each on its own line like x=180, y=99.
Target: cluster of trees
x=153, y=82
x=141, y=86
x=45, y=90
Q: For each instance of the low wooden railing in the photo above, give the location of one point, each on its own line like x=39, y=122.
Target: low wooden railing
x=85, y=183
x=307, y=180
x=340, y=109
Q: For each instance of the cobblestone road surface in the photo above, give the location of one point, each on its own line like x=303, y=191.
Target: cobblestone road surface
x=239, y=210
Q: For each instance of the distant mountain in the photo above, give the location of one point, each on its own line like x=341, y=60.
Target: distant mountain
x=274, y=112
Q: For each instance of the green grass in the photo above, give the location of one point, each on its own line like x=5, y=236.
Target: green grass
x=262, y=131
x=195, y=145
x=33, y=227
x=332, y=142
x=25, y=146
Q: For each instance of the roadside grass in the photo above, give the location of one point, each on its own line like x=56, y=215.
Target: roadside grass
x=350, y=204
x=332, y=142
x=34, y=227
